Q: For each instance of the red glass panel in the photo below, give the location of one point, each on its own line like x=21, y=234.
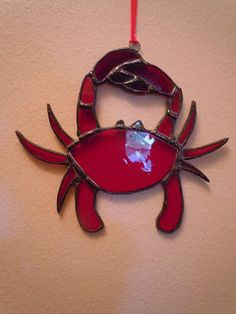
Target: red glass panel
x=170, y=217
x=85, y=208
x=42, y=153
x=87, y=93
x=60, y=133
x=87, y=120
x=166, y=125
x=113, y=59
x=190, y=168
x=189, y=125
x=120, y=77
x=203, y=150
x=66, y=183
x=120, y=160
x=176, y=101
x=138, y=86
x=153, y=75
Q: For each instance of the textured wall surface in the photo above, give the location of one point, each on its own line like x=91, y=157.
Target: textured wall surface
x=48, y=264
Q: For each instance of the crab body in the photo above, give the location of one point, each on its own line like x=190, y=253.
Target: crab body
x=124, y=159
x=137, y=157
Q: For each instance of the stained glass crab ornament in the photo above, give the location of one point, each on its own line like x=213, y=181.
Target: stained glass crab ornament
x=124, y=159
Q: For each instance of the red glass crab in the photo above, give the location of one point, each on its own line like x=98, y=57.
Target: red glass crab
x=124, y=159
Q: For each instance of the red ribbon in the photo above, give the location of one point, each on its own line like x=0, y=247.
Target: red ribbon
x=133, y=22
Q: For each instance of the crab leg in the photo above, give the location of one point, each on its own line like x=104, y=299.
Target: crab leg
x=42, y=153
x=68, y=180
x=86, y=117
x=203, y=150
x=85, y=207
x=190, y=168
x=188, y=126
x=171, y=215
x=63, y=137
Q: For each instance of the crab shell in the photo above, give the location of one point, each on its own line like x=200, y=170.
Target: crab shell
x=134, y=159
